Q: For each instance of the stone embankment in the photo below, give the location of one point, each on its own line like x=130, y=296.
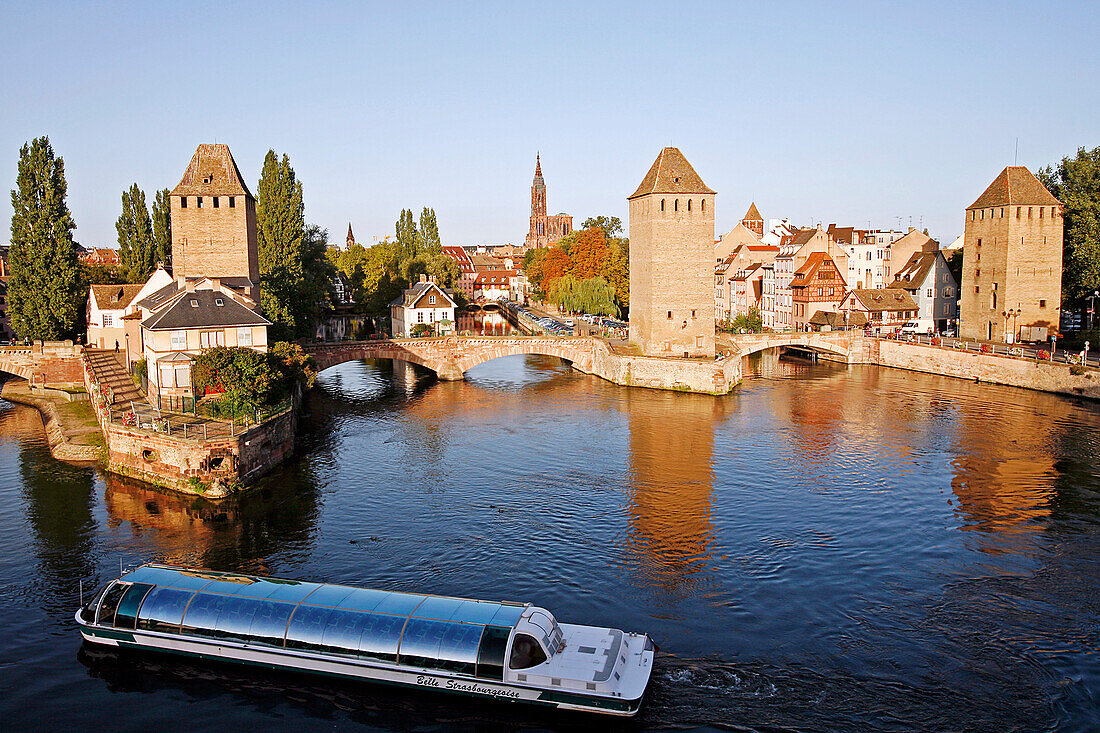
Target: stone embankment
x=72, y=432
x=179, y=452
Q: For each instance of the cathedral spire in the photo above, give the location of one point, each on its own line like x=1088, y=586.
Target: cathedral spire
x=351, y=237
x=538, y=167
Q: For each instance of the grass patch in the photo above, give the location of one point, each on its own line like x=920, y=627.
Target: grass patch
x=77, y=414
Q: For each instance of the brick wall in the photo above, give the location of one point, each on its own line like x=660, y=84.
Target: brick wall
x=215, y=242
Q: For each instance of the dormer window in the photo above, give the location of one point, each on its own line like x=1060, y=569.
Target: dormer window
x=219, y=302
x=194, y=304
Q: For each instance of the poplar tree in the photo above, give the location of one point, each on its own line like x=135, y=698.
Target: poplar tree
x=428, y=234
x=280, y=223
x=162, y=228
x=406, y=233
x=44, y=292
x=136, y=249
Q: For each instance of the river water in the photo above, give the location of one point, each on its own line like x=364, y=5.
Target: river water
x=828, y=548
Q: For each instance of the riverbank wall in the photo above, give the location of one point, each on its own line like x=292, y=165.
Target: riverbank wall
x=190, y=457
x=66, y=434
x=1044, y=376
x=702, y=376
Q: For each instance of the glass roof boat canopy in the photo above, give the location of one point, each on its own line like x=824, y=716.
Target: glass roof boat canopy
x=454, y=634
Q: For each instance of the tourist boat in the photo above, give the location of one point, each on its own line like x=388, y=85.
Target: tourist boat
x=489, y=649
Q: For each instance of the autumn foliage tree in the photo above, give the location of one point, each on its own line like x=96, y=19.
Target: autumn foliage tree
x=594, y=258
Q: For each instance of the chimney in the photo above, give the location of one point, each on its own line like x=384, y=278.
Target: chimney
x=189, y=285
x=423, y=278
x=431, y=279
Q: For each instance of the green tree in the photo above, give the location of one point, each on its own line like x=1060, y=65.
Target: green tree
x=406, y=232
x=751, y=322
x=616, y=271
x=1076, y=183
x=280, y=223
x=611, y=226
x=428, y=233
x=955, y=263
x=136, y=247
x=591, y=295
x=162, y=228
x=316, y=288
x=44, y=292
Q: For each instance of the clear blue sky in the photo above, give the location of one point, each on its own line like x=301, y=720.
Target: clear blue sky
x=852, y=112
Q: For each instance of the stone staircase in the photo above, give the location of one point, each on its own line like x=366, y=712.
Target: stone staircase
x=109, y=369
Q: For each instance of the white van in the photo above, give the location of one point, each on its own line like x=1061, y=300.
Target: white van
x=918, y=326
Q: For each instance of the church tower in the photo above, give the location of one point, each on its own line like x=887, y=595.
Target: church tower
x=537, y=235
x=351, y=237
x=672, y=260
x=753, y=221
x=214, y=222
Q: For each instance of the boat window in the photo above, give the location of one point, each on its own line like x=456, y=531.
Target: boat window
x=526, y=653
x=343, y=632
x=458, y=647
x=507, y=616
x=201, y=618
x=476, y=612
x=363, y=599
x=235, y=620
x=163, y=610
x=380, y=638
x=126, y=615
x=438, y=608
x=269, y=623
x=490, y=655
x=401, y=604
x=291, y=591
x=420, y=642
x=307, y=628
x=110, y=603
x=329, y=595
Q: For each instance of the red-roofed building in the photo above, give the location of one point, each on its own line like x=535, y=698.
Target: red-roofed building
x=817, y=286
x=465, y=263
x=496, y=284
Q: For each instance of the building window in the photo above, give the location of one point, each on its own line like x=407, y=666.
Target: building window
x=108, y=320
x=702, y=204
x=1029, y=212
x=208, y=339
x=420, y=316
x=183, y=202
x=244, y=336
x=977, y=289
x=670, y=315
x=930, y=292
x=1042, y=304
x=232, y=202
x=215, y=202
x=1041, y=211
x=179, y=340
x=198, y=202
x=1017, y=212
x=662, y=204
x=431, y=300
x=689, y=205
x=676, y=204
x=993, y=300
x=977, y=271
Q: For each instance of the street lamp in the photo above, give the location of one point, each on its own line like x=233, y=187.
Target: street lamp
x=1092, y=305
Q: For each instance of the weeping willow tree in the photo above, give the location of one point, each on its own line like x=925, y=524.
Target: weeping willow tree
x=591, y=295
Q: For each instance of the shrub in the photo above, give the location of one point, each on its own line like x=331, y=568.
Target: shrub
x=987, y=349
x=1076, y=370
x=1043, y=354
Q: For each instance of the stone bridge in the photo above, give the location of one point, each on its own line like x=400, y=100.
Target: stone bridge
x=50, y=362
x=852, y=345
x=452, y=356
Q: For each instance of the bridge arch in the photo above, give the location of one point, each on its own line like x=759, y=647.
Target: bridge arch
x=838, y=345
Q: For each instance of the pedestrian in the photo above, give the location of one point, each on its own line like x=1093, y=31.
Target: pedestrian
x=116, y=346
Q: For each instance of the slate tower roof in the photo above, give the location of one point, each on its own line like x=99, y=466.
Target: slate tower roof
x=671, y=173
x=1015, y=185
x=212, y=172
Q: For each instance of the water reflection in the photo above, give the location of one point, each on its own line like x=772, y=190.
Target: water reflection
x=240, y=533
x=672, y=489
x=60, y=499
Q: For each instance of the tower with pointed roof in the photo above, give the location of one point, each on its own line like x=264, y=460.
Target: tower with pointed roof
x=672, y=260
x=351, y=237
x=753, y=221
x=544, y=230
x=214, y=222
x=1012, y=259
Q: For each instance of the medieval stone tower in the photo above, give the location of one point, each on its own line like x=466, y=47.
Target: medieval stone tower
x=1012, y=259
x=544, y=230
x=672, y=260
x=214, y=222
